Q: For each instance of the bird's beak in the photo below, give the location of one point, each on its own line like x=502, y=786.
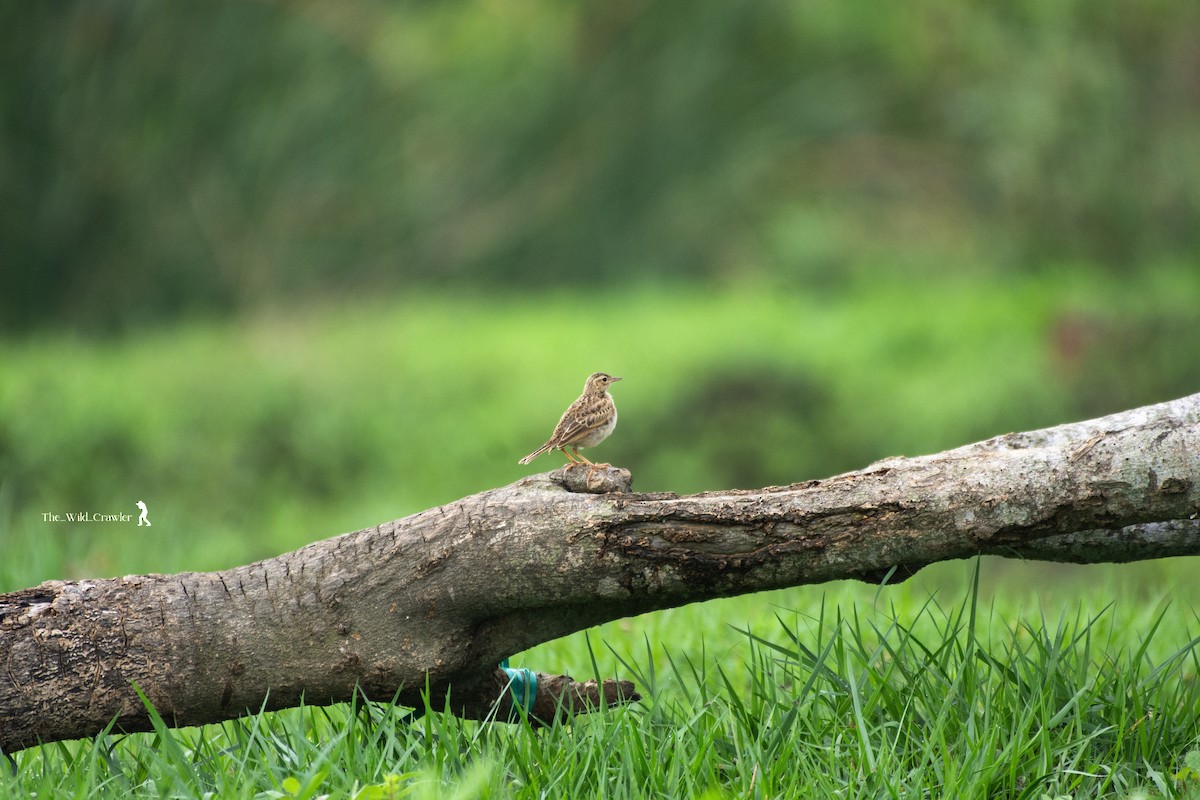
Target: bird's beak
x=614, y=380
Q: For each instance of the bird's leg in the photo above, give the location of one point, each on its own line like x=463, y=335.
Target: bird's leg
x=592, y=467
x=573, y=463
x=593, y=464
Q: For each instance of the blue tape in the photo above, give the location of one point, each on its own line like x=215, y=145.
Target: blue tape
x=523, y=684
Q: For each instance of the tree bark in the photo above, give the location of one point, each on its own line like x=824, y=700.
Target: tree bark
x=438, y=598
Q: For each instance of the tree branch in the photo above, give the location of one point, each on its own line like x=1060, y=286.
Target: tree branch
x=440, y=597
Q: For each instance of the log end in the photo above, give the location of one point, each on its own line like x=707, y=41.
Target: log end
x=557, y=699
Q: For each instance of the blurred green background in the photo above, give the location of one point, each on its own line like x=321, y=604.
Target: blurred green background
x=286, y=270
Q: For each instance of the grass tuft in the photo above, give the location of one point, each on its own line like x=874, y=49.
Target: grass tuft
x=914, y=700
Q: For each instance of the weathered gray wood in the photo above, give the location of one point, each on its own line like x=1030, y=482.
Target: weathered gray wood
x=436, y=599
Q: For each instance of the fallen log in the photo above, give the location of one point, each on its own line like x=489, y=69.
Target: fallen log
x=426, y=606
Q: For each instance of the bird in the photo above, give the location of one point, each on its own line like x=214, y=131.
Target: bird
x=586, y=423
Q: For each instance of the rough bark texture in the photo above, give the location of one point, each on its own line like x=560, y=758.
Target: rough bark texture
x=440, y=597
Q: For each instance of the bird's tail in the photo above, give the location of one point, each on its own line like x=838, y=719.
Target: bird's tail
x=535, y=454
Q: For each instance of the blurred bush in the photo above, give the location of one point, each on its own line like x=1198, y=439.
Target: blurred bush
x=164, y=158
x=250, y=438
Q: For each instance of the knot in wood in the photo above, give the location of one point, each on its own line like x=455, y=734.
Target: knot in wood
x=598, y=479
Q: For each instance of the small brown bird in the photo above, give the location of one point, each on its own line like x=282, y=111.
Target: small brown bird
x=586, y=423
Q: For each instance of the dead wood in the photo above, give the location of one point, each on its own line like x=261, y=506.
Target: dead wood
x=435, y=600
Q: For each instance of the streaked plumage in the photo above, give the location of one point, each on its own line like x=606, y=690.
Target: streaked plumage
x=586, y=423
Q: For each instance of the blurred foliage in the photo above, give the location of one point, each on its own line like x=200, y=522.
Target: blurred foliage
x=159, y=158
x=809, y=235
x=250, y=438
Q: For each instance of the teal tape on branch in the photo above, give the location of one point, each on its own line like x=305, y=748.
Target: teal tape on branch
x=523, y=683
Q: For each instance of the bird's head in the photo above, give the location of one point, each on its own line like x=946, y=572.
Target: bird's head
x=599, y=382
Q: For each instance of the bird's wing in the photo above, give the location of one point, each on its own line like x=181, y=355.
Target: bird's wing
x=577, y=423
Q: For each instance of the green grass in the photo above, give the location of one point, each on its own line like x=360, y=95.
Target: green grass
x=907, y=696
x=252, y=438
